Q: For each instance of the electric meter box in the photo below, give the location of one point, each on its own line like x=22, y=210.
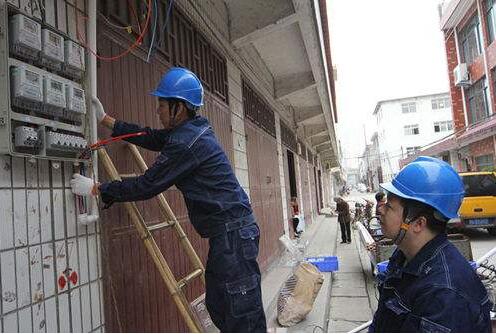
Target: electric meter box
x=53, y=93
x=26, y=137
x=75, y=99
x=25, y=36
x=52, y=47
x=26, y=88
x=74, y=57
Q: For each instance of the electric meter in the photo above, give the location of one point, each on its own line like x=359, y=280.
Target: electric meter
x=75, y=99
x=26, y=137
x=74, y=57
x=53, y=94
x=26, y=88
x=25, y=36
x=52, y=46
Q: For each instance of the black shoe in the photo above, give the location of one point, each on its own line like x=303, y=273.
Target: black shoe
x=349, y=241
x=343, y=242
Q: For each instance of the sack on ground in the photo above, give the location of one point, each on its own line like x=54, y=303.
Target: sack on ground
x=298, y=294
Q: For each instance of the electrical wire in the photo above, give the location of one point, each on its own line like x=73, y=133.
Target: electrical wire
x=155, y=14
x=104, y=142
x=136, y=43
x=171, y=2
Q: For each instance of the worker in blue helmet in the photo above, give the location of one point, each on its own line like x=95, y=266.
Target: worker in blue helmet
x=192, y=159
x=428, y=286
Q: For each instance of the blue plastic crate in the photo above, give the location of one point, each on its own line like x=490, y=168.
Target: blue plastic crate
x=382, y=266
x=324, y=263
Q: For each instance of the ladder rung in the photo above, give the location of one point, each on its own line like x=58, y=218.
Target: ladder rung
x=188, y=278
x=163, y=224
x=124, y=176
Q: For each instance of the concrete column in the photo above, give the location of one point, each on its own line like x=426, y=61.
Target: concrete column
x=238, y=126
x=280, y=157
x=299, y=177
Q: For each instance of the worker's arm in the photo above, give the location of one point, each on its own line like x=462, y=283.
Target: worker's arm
x=173, y=163
x=154, y=140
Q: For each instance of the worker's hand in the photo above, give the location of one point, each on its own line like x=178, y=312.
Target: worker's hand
x=83, y=186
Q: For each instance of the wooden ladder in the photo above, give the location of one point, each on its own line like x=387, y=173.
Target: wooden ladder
x=145, y=232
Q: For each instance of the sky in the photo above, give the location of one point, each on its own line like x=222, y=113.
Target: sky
x=382, y=49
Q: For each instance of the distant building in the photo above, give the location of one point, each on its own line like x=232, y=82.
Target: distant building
x=405, y=125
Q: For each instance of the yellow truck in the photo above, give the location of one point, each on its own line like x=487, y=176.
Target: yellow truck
x=478, y=209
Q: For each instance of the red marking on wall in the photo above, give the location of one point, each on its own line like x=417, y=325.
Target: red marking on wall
x=62, y=282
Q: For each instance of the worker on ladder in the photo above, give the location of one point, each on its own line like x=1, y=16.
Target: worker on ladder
x=429, y=286
x=192, y=159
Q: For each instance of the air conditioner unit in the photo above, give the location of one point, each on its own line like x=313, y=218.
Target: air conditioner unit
x=461, y=75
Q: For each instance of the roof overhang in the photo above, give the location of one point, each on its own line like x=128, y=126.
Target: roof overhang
x=453, y=12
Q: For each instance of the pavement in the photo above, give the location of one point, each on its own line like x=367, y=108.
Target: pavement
x=343, y=302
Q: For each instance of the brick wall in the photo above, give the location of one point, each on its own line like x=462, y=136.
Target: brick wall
x=455, y=92
x=482, y=147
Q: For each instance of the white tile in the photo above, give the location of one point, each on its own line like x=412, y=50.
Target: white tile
x=32, y=173
x=68, y=171
x=243, y=178
x=10, y=323
x=238, y=124
x=56, y=168
x=63, y=311
x=5, y=171
x=95, y=304
x=46, y=216
x=86, y=308
x=48, y=270
x=35, y=262
x=76, y=310
x=39, y=322
x=9, y=293
x=72, y=256
x=61, y=263
x=20, y=223
x=240, y=160
x=25, y=321
x=83, y=260
x=7, y=235
x=23, y=279
x=33, y=215
x=44, y=176
x=239, y=142
x=51, y=315
x=58, y=214
x=18, y=173
x=92, y=254
x=70, y=214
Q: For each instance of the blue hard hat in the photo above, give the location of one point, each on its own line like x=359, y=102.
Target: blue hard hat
x=430, y=181
x=182, y=84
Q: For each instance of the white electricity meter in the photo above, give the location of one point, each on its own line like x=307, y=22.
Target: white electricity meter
x=53, y=93
x=74, y=56
x=52, y=46
x=75, y=99
x=25, y=36
x=26, y=85
x=26, y=137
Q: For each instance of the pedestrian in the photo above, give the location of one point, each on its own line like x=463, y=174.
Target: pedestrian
x=380, y=198
x=344, y=219
x=428, y=286
x=192, y=159
x=296, y=216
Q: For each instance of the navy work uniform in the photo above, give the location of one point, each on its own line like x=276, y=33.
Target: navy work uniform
x=192, y=159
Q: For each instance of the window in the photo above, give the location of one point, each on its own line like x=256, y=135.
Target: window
x=484, y=162
x=470, y=40
x=443, y=126
x=441, y=103
x=408, y=107
x=477, y=101
x=490, y=19
x=411, y=129
x=479, y=185
x=412, y=150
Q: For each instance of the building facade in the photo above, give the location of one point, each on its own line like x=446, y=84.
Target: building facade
x=405, y=125
x=269, y=95
x=469, y=34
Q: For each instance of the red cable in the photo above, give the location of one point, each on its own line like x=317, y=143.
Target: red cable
x=104, y=142
x=134, y=45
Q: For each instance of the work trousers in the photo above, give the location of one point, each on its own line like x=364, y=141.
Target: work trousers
x=233, y=291
x=345, y=231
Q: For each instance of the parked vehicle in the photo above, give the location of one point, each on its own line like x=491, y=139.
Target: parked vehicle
x=478, y=209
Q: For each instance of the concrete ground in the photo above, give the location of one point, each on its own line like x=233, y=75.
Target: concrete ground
x=347, y=297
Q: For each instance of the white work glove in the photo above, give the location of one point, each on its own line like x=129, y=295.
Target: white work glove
x=82, y=185
x=99, y=111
